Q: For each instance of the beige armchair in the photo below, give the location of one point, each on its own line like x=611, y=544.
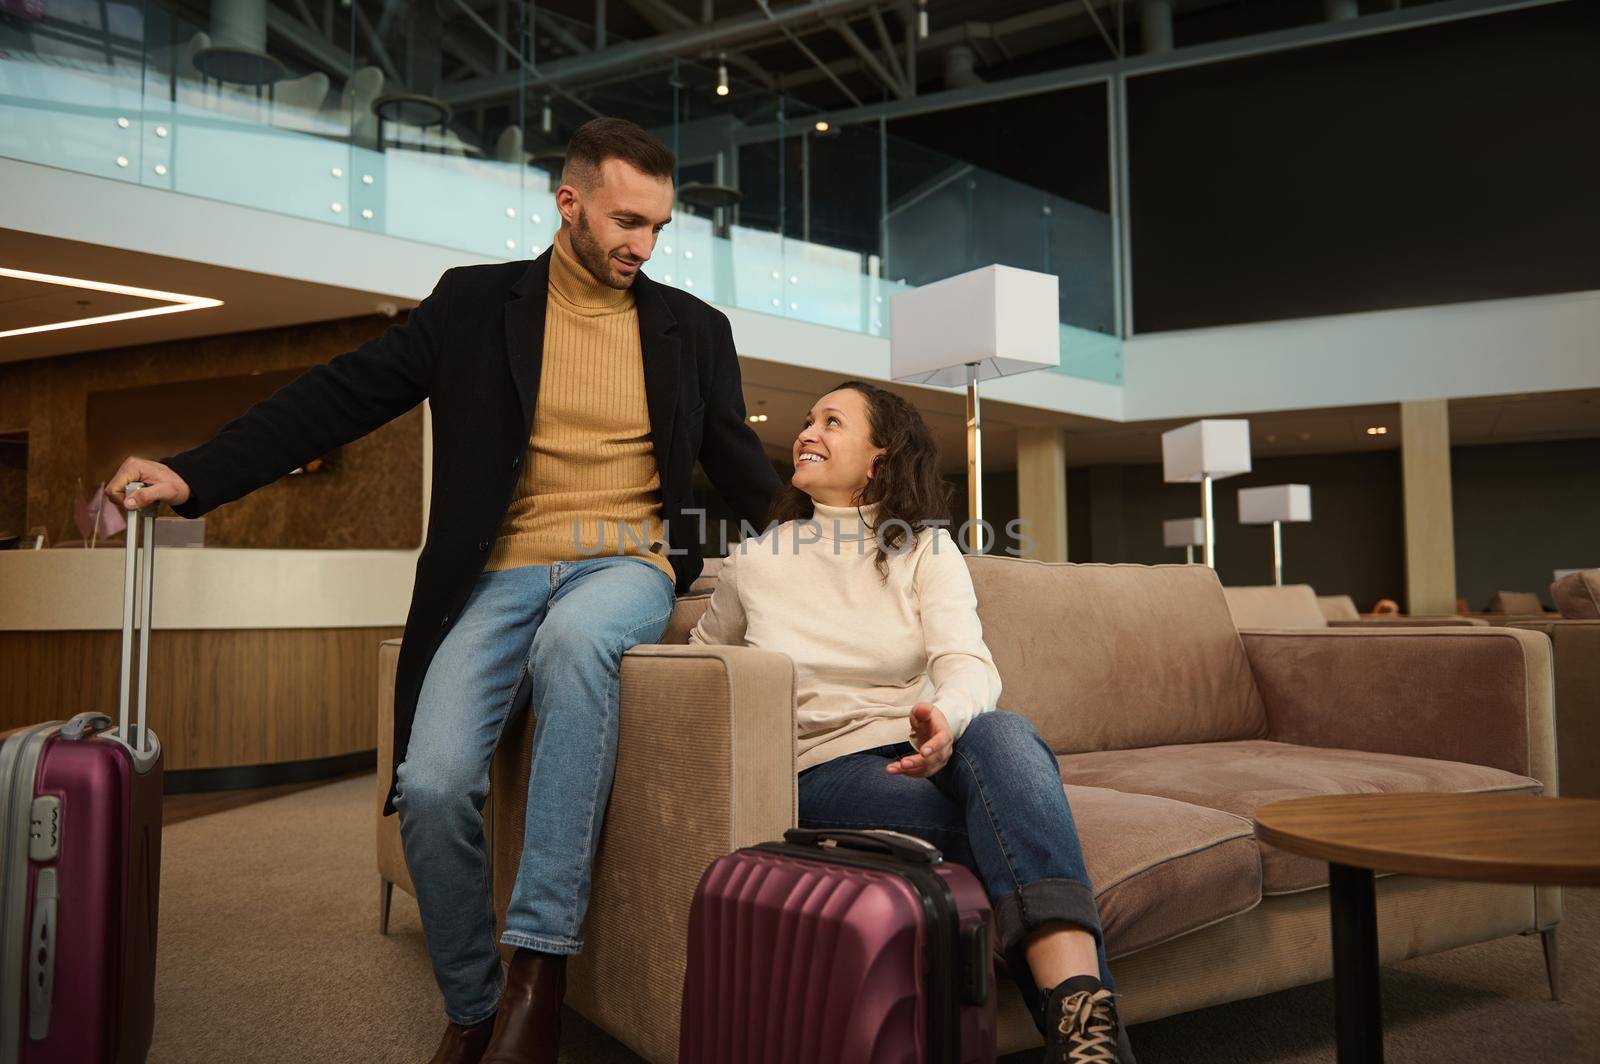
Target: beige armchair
x=1170, y=727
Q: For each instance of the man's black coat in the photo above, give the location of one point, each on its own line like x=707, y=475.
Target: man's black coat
x=473, y=349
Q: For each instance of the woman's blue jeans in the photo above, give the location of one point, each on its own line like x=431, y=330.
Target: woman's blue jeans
x=996, y=807
x=557, y=632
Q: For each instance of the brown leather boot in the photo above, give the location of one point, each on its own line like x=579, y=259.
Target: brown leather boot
x=527, y=1029
x=463, y=1045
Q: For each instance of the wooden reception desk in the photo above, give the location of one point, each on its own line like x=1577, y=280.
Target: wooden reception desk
x=263, y=663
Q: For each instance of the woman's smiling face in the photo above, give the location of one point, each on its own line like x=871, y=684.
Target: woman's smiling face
x=834, y=453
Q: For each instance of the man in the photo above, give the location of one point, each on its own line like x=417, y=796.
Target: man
x=571, y=397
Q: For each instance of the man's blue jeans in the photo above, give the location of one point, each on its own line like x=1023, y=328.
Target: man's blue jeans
x=560, y=631
x=996, y=807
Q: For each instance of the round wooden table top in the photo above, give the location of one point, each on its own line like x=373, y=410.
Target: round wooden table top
x=1489, y=838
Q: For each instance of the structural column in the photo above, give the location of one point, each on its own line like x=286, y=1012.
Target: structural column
x=1429, y=522
x=1042, y=491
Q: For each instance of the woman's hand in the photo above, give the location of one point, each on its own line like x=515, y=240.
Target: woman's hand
x=930, y=733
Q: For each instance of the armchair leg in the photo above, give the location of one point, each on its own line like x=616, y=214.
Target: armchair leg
x=1552, y=962
x=386, y=894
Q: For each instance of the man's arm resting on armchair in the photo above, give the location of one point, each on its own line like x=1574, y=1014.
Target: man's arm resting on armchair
x=1475, y=695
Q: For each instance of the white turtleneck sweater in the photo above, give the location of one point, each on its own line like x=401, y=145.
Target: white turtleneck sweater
x=865, y=650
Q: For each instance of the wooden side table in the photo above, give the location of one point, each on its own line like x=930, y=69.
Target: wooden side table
x=1490, y=838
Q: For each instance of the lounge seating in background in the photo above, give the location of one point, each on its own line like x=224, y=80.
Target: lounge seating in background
x=1577, y=595
x=1519, y=602
x=1172, y=728
x=1298, y=606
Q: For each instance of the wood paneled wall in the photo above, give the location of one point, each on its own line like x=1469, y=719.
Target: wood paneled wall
x=218, y=698
x=373, y=500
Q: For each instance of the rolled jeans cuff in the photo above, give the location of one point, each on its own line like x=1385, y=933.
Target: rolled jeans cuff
x=1045, y=901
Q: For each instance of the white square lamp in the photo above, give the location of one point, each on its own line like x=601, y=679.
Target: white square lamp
x=1201, y=452
x=1273, y=506
x=1185, y=532
x=992, y=322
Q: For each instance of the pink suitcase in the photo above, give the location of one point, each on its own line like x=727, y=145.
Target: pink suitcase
x=80, y=865
x=838, y=947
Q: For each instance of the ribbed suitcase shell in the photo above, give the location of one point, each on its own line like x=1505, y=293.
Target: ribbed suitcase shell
x=80, y=864
x=801, y=956
x=101, y=1006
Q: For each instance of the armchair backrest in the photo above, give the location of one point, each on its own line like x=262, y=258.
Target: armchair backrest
x=1338, y=607
x=1111, y=657
x=1577, y=595
x=1290, y=606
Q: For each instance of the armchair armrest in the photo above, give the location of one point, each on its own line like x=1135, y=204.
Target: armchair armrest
x=705, y=765
x=1476, y=695
x=1411, y=622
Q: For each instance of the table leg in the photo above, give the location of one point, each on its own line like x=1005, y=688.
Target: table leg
x=1357, y=1019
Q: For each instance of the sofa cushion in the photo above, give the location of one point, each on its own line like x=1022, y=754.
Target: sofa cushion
x=1104, y=657
x=1577, y=595
x=1239, y=777
x=1161, y=868
x=1290, y=606
x=1514, y=602
x=686, y=614
x=1338, y=608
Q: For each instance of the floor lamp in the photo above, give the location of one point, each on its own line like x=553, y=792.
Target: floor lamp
x=1273, y=506
x=1185, y=532
x=975, y=326
x=1201, y=452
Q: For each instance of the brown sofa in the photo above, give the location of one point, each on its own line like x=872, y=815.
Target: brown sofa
x=1575, y=640
x=1298, y=606
x=1172, y=727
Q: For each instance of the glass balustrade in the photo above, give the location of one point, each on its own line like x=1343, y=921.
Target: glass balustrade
x=445, y=123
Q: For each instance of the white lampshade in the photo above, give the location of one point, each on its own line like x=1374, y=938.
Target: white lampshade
x=1183, y=532
x=1005, y=319
x=1280, y=502
x=1213, y=447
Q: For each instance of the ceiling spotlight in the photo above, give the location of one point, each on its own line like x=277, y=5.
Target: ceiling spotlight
x=546, y=119
x=1377, y=430
x=722, y=75
x=822, y=125
x=922, y=19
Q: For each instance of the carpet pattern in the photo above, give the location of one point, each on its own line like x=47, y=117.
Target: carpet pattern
x=270, y=952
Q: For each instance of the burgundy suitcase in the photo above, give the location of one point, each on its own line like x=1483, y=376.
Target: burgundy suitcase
x=80, y=808
x=871, y=950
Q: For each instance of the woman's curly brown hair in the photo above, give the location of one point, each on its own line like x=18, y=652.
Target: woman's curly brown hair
x=905, y=480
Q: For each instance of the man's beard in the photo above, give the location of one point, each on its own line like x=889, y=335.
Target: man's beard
x=594, y=257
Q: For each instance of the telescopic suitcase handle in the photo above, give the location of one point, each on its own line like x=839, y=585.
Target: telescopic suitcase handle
x=141, y=743
x=875, y=840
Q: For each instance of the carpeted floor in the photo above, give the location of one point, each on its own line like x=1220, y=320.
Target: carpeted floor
x=269, y=951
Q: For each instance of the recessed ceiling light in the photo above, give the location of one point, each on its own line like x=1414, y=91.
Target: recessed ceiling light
x=1377, y=430
x=822, y=125
x=178, y=301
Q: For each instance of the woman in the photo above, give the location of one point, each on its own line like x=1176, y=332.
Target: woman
x=875, y=606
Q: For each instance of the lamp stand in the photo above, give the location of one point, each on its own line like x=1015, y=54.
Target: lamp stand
x=974, y=463
x=1205, y=514
x=1277, y=554
x=1188, y=554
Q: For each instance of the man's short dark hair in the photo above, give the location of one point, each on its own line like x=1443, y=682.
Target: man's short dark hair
x=600, y=139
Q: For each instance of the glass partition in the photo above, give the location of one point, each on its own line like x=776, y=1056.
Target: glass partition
x=445, y=123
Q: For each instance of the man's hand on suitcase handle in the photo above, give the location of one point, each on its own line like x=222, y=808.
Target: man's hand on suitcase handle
x=161, y=484
x=930, y=733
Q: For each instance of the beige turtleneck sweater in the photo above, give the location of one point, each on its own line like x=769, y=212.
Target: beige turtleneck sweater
x=590, y=461
x=865, y=651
